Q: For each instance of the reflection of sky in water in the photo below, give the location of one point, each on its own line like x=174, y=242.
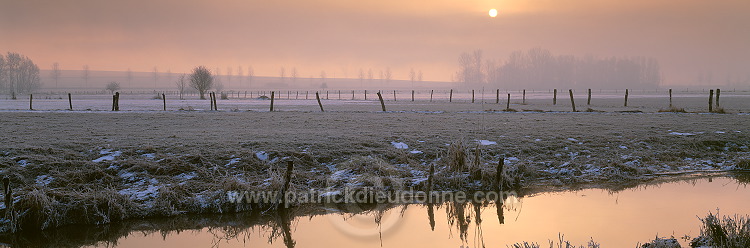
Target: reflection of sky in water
x=613, y=219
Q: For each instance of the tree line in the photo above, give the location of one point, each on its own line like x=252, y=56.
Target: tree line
x=539, y=68
x=18, y=74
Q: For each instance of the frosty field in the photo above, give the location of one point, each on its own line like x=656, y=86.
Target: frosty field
x=97, y=166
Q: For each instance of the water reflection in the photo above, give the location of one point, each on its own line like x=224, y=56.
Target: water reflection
x=614, y=217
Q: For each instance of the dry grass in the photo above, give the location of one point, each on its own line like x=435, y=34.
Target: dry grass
x=724, y=232
x=673, y=109
x=561, y=243
x=743, y=164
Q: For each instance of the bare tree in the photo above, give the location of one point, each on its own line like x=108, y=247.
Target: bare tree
x=129, y=75
x=22, y=74
x=369, y=76
x=250, y=75
x=229, y=77
x=85, y=75
x=412, y=76
x=282, y=74
x=361, y=77
x=156, y=75
x=323, y=85
x=112, y=87
x=181, y=84
x=470, y=68
x=169, y=75
x=294, y=74
x=55, y=73
x=388, y=75
x=419, y=76
x=240, y=75
x=201, y=80
x=3, y=72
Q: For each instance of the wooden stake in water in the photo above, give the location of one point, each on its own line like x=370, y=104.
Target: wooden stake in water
x=710, y=101
x=499, y=173
x=70, y=101
x=588, y=102
x=319, y=104
x=271, y=101
x=572, y=102
x=382, y=105
x=554, y=97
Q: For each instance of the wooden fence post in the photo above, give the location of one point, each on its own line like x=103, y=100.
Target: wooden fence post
x=319, y=104
x=670, y=98
x=365, y=95
x=588, y=102
x=352, y=94
x=507, y=105
x=626, y=97
x=524, y=97
x=572, y=102
x=394, y=95
x=31, y=101
x=117, y=103
x=272, y=101
x=497, y=96
x=718, y=92
x=382, y=105
x=472, y=96
x=326, y=95
x=339, y=94
x=70, y=101
x=450, y=97
x=710, y=101
x=431, y=91
x=306, y=94
x=216, y=106
x=412, y=95
x=554, y=97
x=164, y=99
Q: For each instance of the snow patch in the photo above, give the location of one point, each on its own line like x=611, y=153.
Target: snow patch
x=149, y=155
x=399, y=145
x=262, y=155
x=537, y=140
x=110, y=155
x=720, y=132
x=681, y=134
x=573, y=139
x=416, y=152
x=623, y=147
x=23, y=162
x=44, y=180
x=233, y=161
x=486, y=142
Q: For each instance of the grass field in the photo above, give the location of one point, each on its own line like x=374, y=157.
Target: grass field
x=142, y=163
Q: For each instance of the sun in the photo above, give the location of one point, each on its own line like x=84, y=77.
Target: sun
x=493, y=13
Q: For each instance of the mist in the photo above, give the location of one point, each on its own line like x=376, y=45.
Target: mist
x=695, y=42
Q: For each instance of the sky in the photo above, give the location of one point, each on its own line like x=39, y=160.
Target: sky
x=689, y=37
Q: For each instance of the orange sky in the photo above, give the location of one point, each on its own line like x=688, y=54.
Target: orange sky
x=689, y=37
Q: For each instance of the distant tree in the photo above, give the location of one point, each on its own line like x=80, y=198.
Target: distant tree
x=361, y=77
x=388, y=75
x=181, y=84
x=250, y=75
x=282, y=74
x=85, y=75
x=240, y=75
x=156, y=75
x=19, y=73
x=113, y=86
x=294, y=74
x=3, y=72
x=419, y=76
x=323, y=76
x=129, y=75
x=229, y=76
x=412, y=76
x=169, y=75
x=369, y=76
x=470, y=68
x=55, y=73
x=201, y=80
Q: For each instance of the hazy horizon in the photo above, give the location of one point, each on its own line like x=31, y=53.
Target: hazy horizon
x=693, y=40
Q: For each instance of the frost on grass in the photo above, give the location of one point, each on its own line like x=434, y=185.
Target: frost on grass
x=399, y=145
x=109, y=155
x=682, y=134
x=486, y=142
